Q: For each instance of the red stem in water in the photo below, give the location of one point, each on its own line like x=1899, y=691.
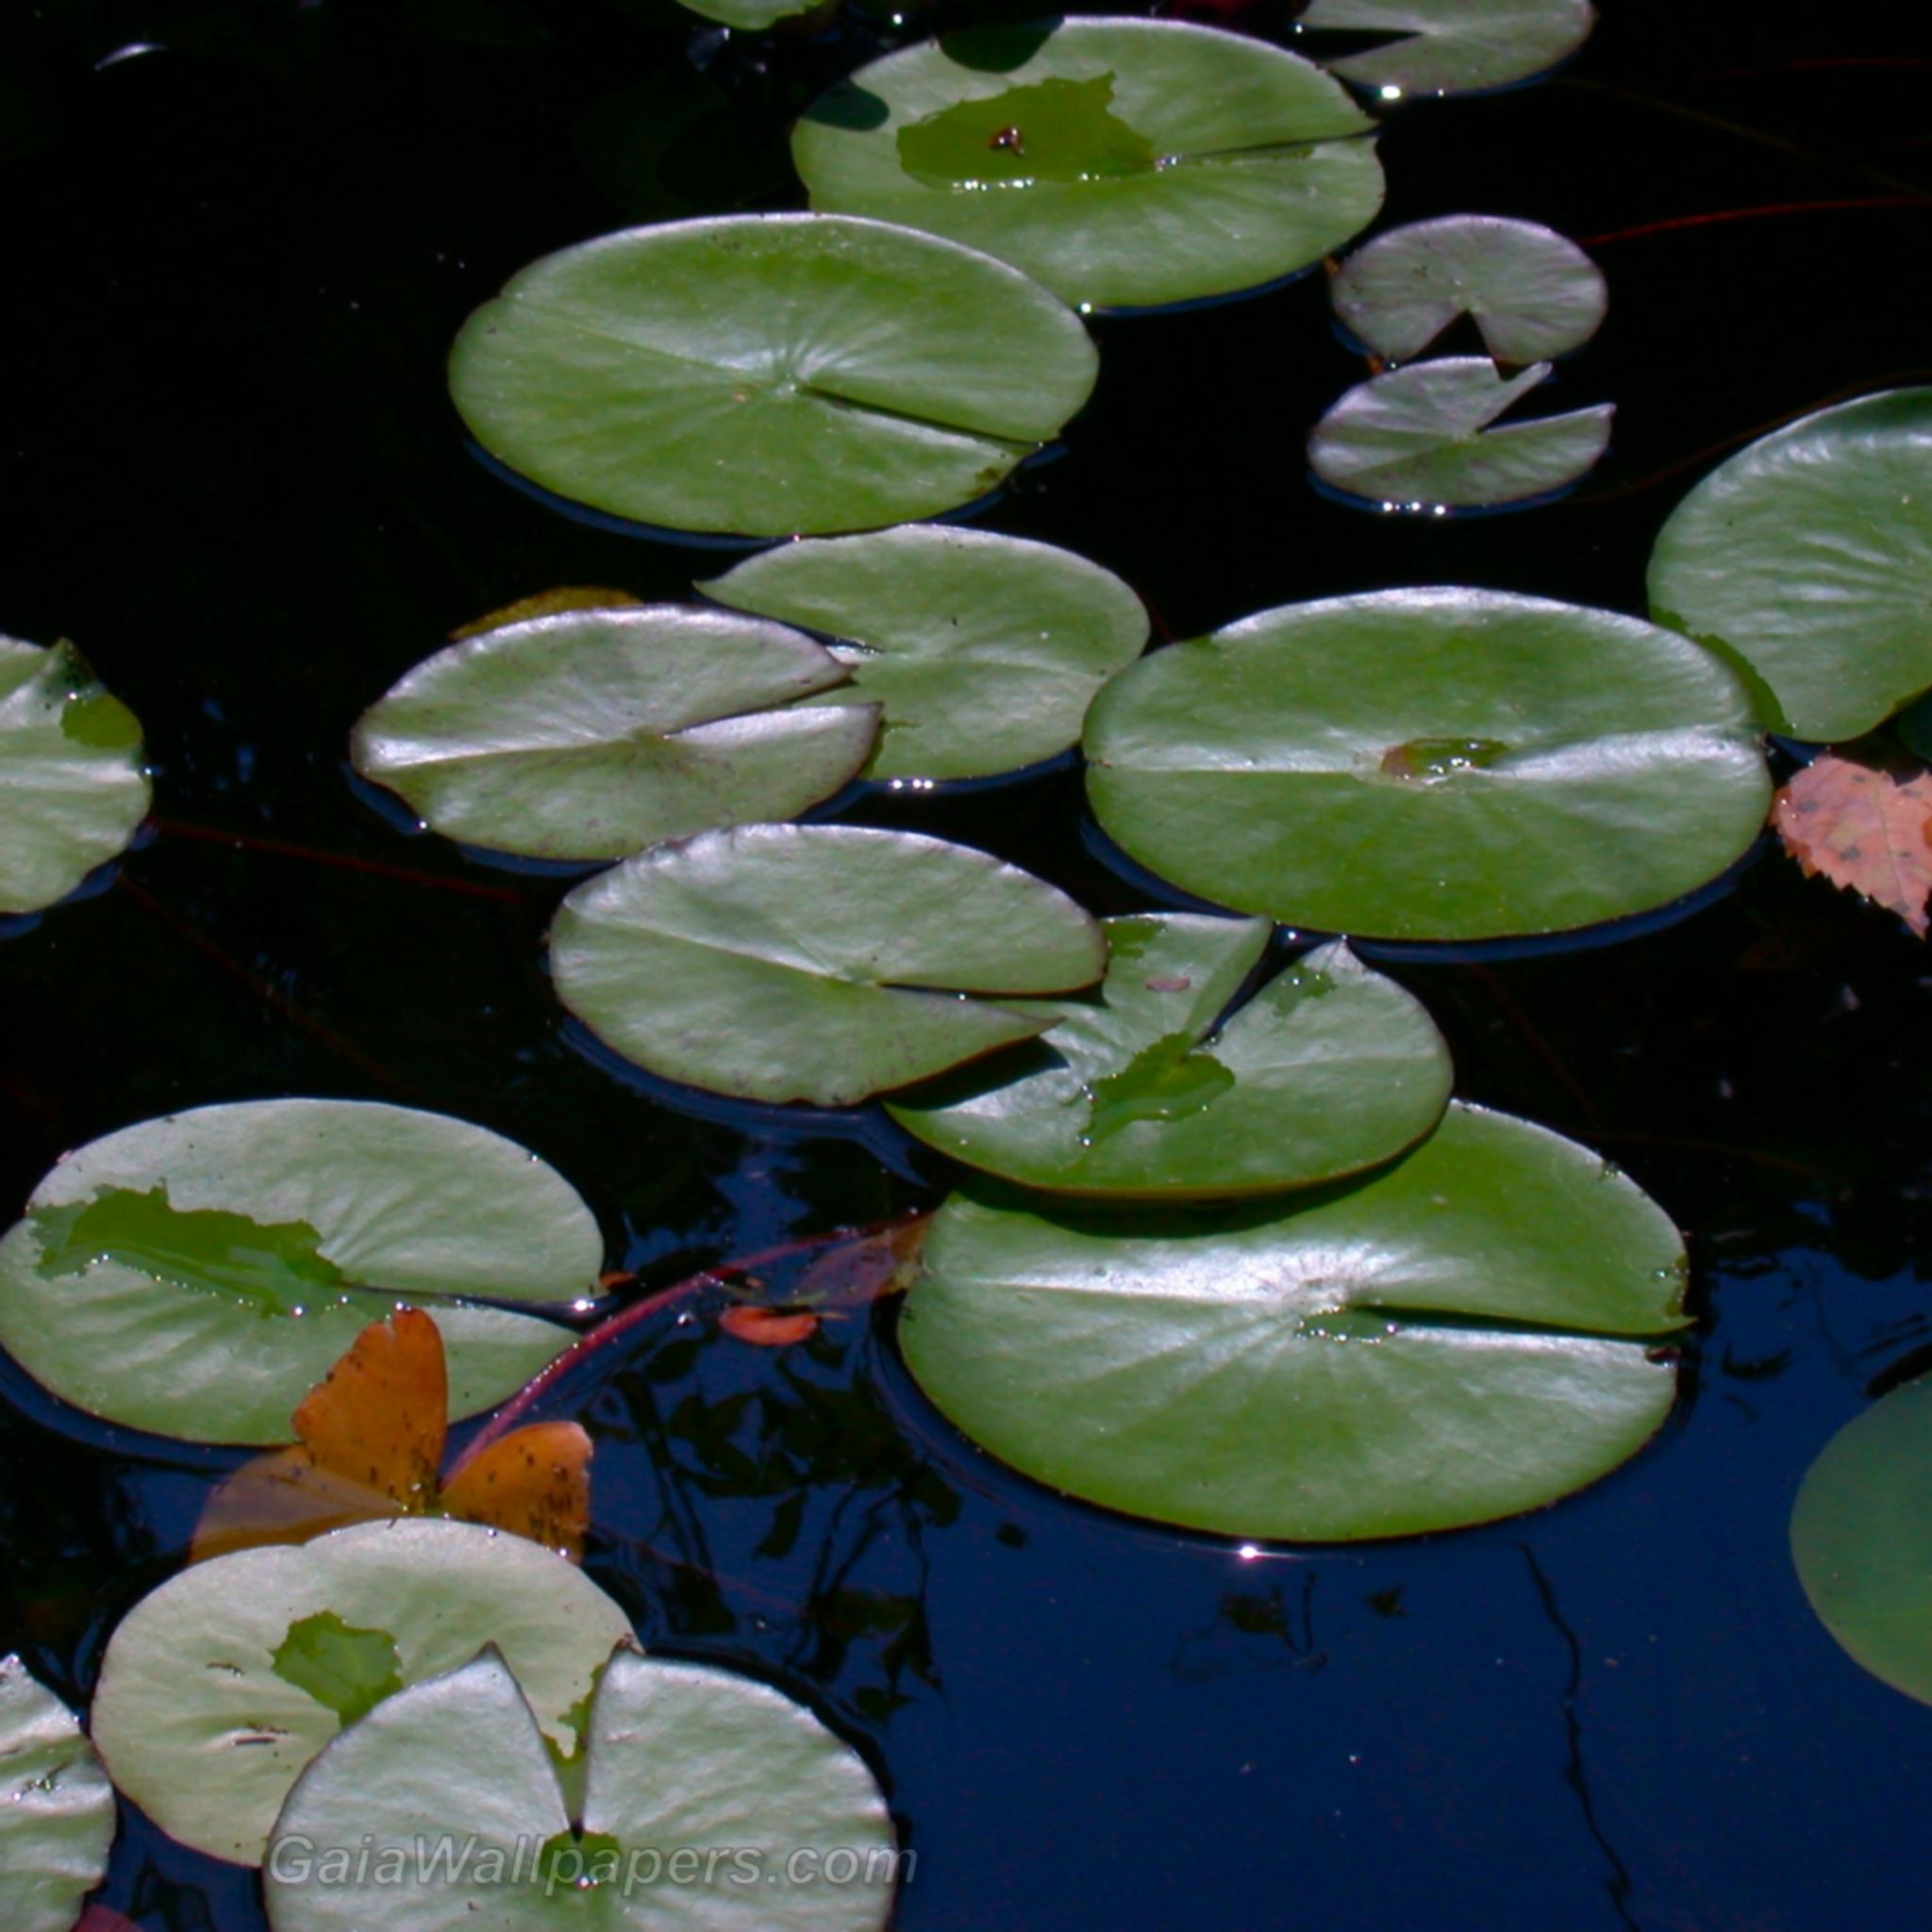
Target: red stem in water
x=176, y=828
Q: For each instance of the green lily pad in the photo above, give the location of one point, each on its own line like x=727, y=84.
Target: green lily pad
x=595, y=733
x=1862, y=1536
x=1329, y=1068
x=749, y=16
x=1470, y=1333
x=1124, y=162
x=1532, y=292
x=56, y=1808
x=198, y=1275
x=711, y=1802
x=814, y=962
x=1809, y=556
x=765, y=375
x=72, y=787
x=218, y=1688
x=1430, y=764
x=1421, y=437
x=983, y=652
x=1453, y=46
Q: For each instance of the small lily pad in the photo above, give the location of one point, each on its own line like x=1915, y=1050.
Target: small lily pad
x=1329, y=1068
x=1809, y=558
x=710, y=1802
x=1862, y=1536
x=56, y=1808
x=198, y=1275
x=983, y=651
x=1452, y=46
x=1472, y=1332
x=749, y=16
x=1430, y=764
x=1532, y=292
x=72, y=787
x=595, y=733
x=765, y=375
x=218, y=1688
x=1124, y=162
x=1421, y=437
x=814, y=962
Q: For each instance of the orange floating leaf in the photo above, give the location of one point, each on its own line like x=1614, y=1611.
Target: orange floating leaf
x=547, y=603
x=534, y=1482
x=370, y=1446
x=1862, y=818
x=769, y=1327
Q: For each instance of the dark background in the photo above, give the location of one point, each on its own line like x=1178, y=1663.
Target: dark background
x=239, y=237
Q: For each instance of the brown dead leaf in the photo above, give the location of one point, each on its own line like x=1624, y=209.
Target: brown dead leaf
x=1861, y=817
x=534, y=1481
x=545, y=604
x=865, y=1266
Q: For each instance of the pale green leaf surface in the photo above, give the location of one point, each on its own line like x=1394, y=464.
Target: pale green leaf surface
x=56, y=1808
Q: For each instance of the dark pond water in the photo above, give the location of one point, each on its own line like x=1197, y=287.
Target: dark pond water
x=236, y=257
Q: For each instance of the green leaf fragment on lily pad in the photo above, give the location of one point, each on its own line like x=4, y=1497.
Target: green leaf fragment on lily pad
x=1431, y=764
x=770, y=375
x=1808, y=555
x=198, y=1275
x=72, y=785
x=1468, y=1333
x=1149, y=1093
x=1425, y=436
x=1531, y=292
x=1125, y=162
x=984, y=651
x=1452, y=46
x=814, y=962
x=592, y=734
x=704, y=1788
x=220, y=1686
x=345, y=1670
x=56, y=1808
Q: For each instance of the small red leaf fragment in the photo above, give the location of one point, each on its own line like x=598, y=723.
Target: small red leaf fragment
x=1862, y=818
x=769, y=1327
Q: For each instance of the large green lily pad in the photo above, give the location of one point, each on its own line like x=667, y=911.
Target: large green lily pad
x=1531, y=291
x=1470, y=1333
x=766, y=374
x=1424, y=437
x=1808, y=555
x=709, y=1802
x=218, y=1688
x=56, y=1808
x=595, y=733
x=1862, y=1536
x=983, y=651
x=1453, y=46
x=72, y=787
x=199, y=1274
x=1329, y=1068
x=814, y=962
x=1124, y=162
x=1430, y=764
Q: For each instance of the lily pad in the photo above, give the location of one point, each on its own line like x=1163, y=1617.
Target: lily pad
x=1124, y=162
x=1809, y=556
x=1329, y=1068
x=218, y=1688
x=593, y=734
x=814, y=962
x=983, y=651
x=1532, y=292
x=709, y=1802
x=72, y=787
x=1861, y=1534
x=1453, y=46
x=1430, y=764
x=765, y=375
x=749, y=16
x=56, y=1808
x=1470, y=1333
x=1420, y=437
x=198, y=1275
